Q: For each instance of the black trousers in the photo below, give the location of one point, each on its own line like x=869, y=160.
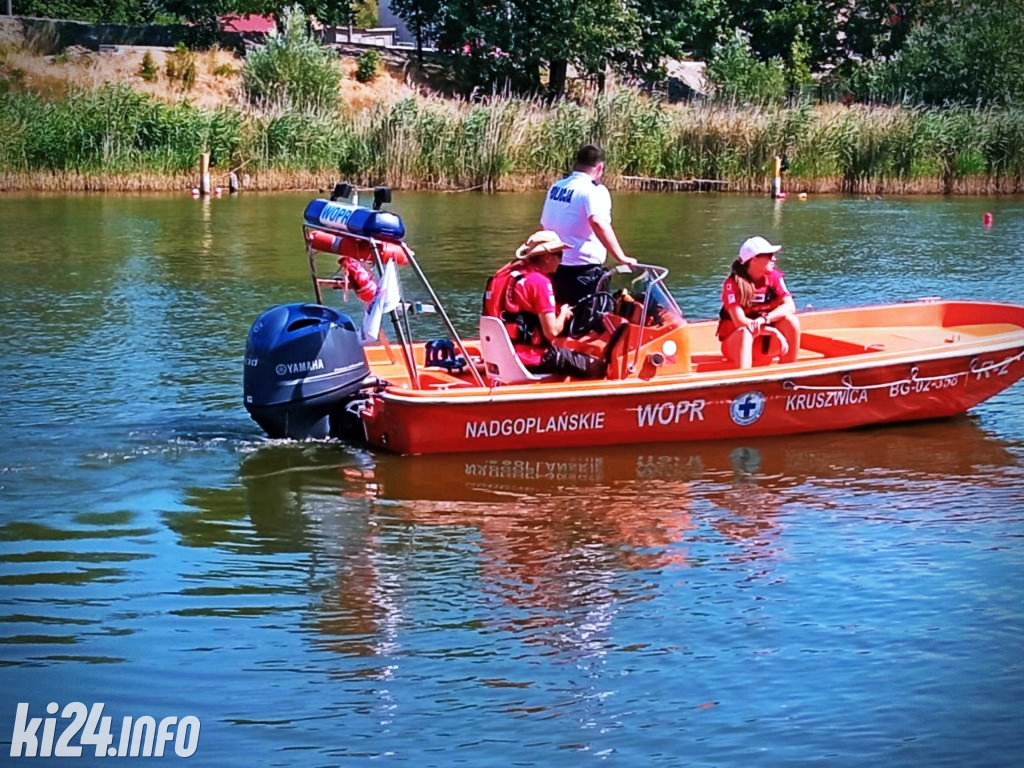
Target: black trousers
x=565, y=362
x=573, y=283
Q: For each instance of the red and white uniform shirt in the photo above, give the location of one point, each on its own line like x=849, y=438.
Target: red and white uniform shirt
x=770, y=292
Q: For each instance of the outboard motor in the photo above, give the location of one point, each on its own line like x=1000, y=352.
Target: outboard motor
x=303, y=364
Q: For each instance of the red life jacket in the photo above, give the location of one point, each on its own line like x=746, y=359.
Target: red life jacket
x=523, y=327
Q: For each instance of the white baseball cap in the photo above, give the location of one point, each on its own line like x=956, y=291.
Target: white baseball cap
x=756, y=246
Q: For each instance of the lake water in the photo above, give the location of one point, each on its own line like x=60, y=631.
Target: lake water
x=843, y=599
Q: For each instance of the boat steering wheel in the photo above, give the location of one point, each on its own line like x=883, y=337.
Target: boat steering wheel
x=588, y=313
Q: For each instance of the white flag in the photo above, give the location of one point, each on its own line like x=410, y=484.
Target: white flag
x=388, y=298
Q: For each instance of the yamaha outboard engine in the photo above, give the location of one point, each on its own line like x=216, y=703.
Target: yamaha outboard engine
x=303, y=364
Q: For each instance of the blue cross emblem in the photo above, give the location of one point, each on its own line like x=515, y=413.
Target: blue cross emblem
x=747, y=408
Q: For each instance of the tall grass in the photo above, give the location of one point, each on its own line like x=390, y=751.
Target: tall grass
x=113, y=130
x=113, y=137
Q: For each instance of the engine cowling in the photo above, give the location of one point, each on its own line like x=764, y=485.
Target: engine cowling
x=304, y=363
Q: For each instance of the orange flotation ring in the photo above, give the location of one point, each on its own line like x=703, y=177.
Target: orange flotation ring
x=355, y=248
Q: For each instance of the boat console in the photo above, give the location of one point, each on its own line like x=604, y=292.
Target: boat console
x=655, y=340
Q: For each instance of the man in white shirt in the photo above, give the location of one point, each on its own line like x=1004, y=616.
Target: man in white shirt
x=579, y=208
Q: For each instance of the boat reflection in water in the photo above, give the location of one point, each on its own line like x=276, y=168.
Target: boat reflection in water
x=550, y=533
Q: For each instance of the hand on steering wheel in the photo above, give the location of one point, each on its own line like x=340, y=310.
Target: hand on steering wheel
x=588, y=313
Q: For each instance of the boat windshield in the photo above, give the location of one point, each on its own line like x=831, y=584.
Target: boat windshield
x=644, y=285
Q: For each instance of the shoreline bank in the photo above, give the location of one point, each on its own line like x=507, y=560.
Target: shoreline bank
x=323, y=181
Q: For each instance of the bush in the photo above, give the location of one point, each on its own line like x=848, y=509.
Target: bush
x=148, y=70
x=367, y=66
x=292, y=70
x=181, y=67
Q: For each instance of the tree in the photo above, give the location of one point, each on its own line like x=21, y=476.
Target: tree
x=695, y=26
x=111, y=11
x=958, y=55
x=421, y=16
x=335, y=13
x=202, y=11
x=739, y=76
x=774, y=26
x=507, y=43
x=797, y=67
x=877, y=29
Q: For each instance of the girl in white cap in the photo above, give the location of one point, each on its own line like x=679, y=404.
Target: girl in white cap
x=757, y=306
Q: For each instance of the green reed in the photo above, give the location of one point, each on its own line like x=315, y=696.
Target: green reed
x=114, y=137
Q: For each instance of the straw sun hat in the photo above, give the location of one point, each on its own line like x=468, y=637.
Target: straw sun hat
x=541, y=242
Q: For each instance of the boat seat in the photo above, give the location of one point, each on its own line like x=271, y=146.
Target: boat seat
x=830, y=346
x=500, y=359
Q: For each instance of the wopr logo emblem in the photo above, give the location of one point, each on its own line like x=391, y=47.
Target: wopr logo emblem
x=747, y=408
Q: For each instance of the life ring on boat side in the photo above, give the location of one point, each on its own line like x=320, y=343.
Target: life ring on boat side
x=355, y=248
x=769, y=345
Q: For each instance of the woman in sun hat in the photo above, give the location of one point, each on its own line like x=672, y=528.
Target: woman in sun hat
x=520, y=293
x=757, y=306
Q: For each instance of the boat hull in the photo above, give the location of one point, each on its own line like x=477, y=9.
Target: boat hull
x=771, y=401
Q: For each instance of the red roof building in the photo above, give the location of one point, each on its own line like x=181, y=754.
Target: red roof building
x=249, y=23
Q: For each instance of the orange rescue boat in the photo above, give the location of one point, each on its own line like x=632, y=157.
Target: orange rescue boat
x=311, y=373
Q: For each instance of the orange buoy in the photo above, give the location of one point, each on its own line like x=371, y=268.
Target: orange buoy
x=354, y=248
x=986, y=219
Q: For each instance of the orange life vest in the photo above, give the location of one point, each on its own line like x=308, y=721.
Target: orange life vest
x=523, y=327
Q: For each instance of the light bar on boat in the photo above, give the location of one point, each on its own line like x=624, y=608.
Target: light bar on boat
x=343, y=217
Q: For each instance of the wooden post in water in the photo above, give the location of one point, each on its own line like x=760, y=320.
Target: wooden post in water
x=777, y=177
x=204, y=173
